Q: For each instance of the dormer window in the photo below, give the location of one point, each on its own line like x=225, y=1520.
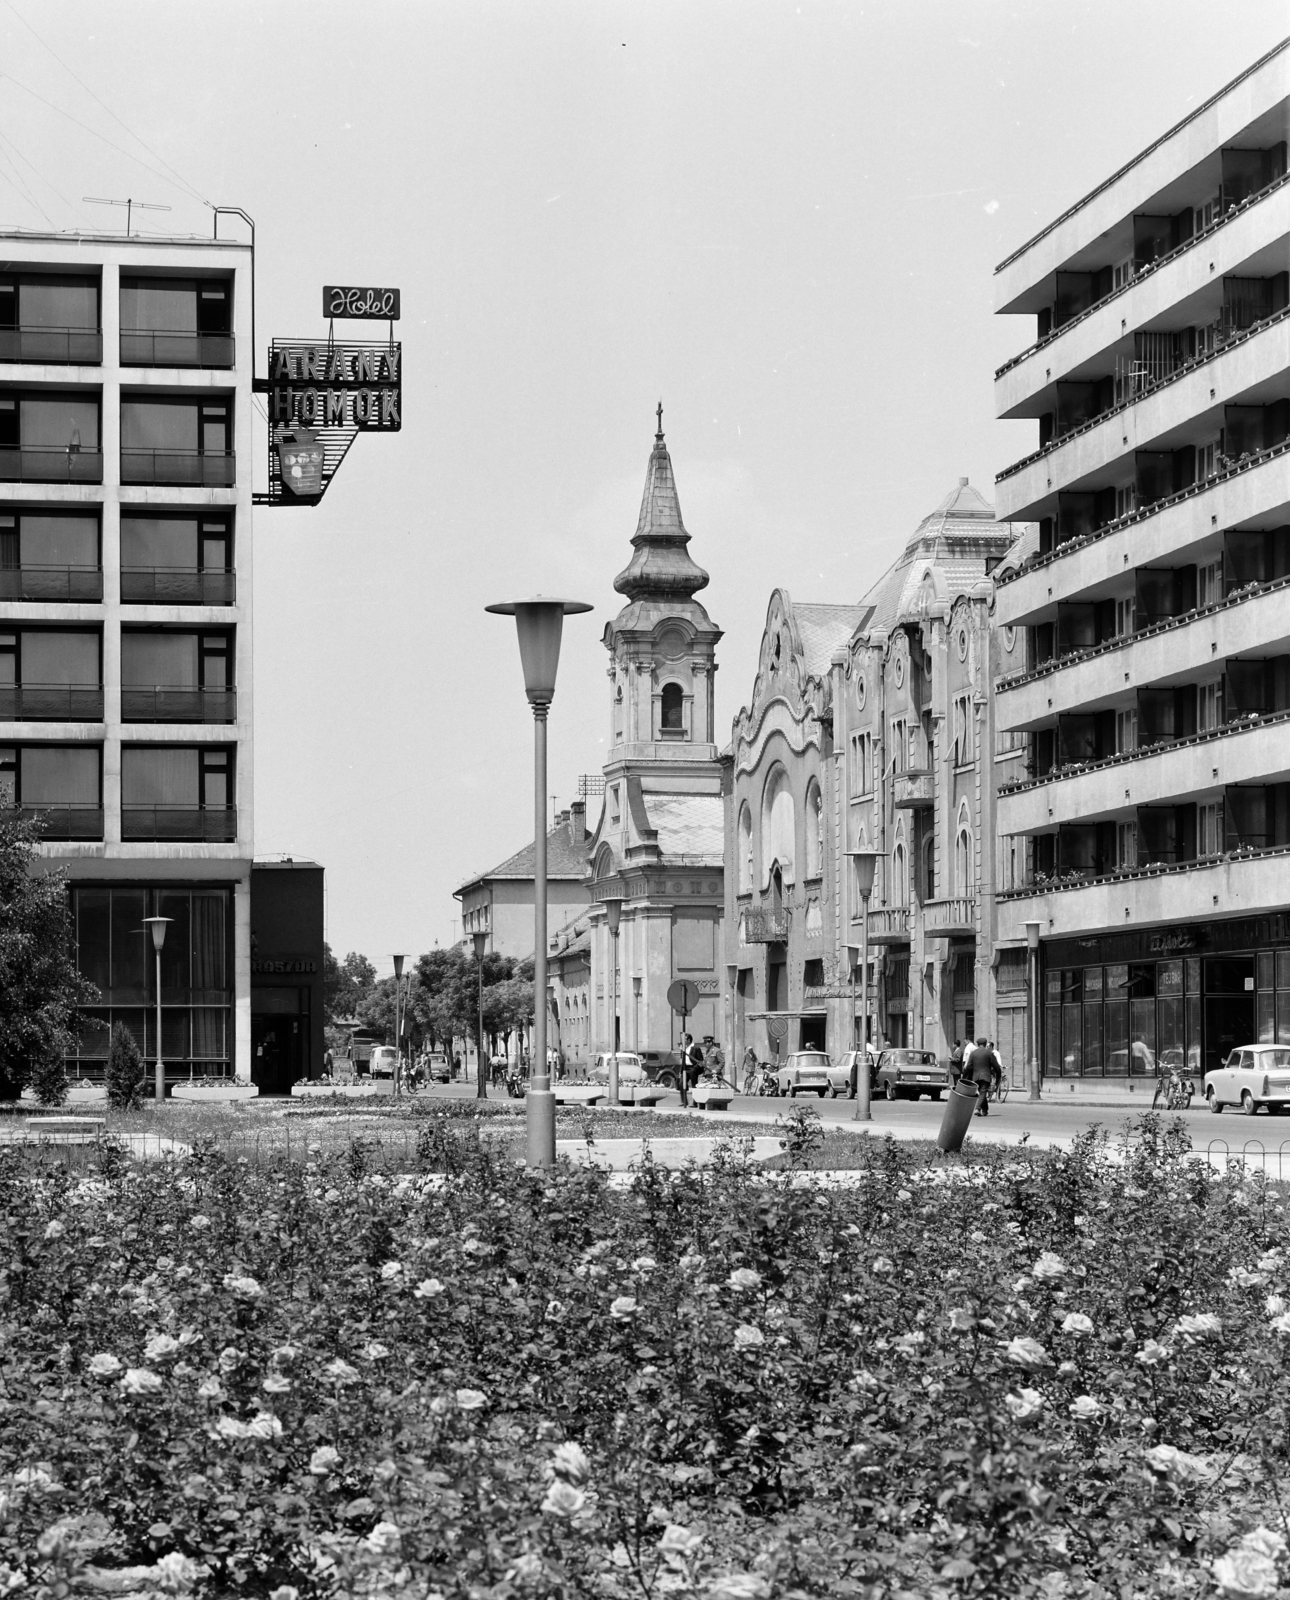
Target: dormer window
x=673, y=709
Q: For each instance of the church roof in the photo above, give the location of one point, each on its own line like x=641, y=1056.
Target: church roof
x=565, y=857
x=688, y=825
x=660, y=567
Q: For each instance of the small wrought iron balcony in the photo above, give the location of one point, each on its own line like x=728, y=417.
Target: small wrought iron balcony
x=50, y=464
x=50, y=702
x=913, y=791
x=177, y=586
x=763, y=926
x=51, y=583
x=186, y=468
x=145, y=347
x=64, y=347
x=179, y=824
x=178, y=705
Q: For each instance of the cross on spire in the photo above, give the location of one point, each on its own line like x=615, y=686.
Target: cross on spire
x=659, y=434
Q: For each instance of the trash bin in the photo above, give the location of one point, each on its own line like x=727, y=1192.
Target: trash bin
x=958, y=1114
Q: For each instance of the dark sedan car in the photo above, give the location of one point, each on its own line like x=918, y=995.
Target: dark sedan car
x=906, y=1074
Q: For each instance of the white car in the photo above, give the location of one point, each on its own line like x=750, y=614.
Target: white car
x=631, y=1069
x=806, y=1072
x=1252, y=1076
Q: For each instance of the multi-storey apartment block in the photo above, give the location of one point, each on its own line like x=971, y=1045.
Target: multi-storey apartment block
x=1155, y=699
x=125, y=640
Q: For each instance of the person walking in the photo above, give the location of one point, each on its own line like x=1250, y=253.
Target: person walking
x=979, y=1070
x=749, y=1069
x=996, y=1077
x=956, y=1062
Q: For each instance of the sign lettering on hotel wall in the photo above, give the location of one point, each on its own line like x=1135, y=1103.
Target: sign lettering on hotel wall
x=336, y=386
x=381, y=304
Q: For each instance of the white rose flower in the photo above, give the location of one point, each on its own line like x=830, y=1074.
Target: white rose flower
x=563, y=1500
x=880, y=1265
x=961, y=1321
x=1177, y=1463
x=427, y=1289
x=374, y=1350
x=679, y=1541
x=747, y=1337
x=744, y=1278
x=1025, y=1403
x=341, y=1371
x=622, y=1308
x=264, y=1425
x=209, y=1389
x=471, y=1399
x=1275, y=1305
x=1202, y=1326
x=1243, y=1278
x=392, y=1270
x=198, y=1222
x=1264, y=1542
x=34, y=1480
x=324, y=1460
x=1084, y=1408
x=1281, y=1324
x=177, y=1574
x=644, y=1264
x=275, y=1383
x=1245, y=1572
x=104, y=1365
x=1026, y=1352
x=161, y=1347
x=570, y=1461
x=384, y=1539
x=230, y=1428
x=243, y=1287
x=1049, y=1266
x=138, y=1380
x=54, y=1230
x=1076, y=1322
x=738, y=1586
x=1152, y=1353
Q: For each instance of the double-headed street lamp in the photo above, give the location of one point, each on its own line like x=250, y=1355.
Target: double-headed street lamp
x=159, y=926
x=480, y=941
x=865, y=862
x=539, y=623
x=1032, y=945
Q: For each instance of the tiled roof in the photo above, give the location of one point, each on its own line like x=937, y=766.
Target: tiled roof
x=688, y=825
x=825, y=630
x=564, y=858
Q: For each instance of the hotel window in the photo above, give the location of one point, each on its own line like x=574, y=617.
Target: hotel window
x=49, y=556
x=174, y=792
x=1209, y=583
x=1209, y=705
x=1126, y=730
x=177, y=560
x=50, y=675
x=168, y=676
x=1206, y=460
x=1125, y=617
x=1209, y=828
x=1126, y=500
x=47, y=437
x=176, y=322
x=177, y=441
x=50, y=318
x=59, y=783
x=115, y=953
x=1126, y=845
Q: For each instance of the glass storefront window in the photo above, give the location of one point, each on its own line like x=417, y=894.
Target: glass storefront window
x=1193, y=975
x=1265, y=966
x=1169, y=978
x=1053, y=1040
x=1142, y=1045
x=1169, y=1023
x=1283, y=969
x=1193, y=1026
x=1266, y=1019
x=1092, y=983
x=1092, y=1038
x=1117, y=983
x=1072, y=1041
x=1283, y=1019
x=1117, y=1037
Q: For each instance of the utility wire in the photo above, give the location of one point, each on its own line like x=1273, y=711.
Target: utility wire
x=183, y=182
x=30, y=163
x=20, y=185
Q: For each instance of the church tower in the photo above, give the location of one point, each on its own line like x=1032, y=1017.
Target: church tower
x=658, y=848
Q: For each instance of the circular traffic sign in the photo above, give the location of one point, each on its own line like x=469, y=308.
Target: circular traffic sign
x=683, y=996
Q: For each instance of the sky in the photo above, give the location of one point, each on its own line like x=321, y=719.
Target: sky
x=783, y=220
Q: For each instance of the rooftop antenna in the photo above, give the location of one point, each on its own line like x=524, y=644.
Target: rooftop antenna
x=143, y=205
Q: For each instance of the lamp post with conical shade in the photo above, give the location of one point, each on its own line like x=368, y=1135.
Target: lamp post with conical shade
x=158, y=926
x=539, y=623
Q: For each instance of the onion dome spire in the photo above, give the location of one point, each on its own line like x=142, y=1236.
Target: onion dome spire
x=660, y=568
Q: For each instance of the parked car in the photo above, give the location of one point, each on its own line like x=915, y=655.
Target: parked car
x=439, y=1067
x=664, y=1068
x=805, y=1072
x=630, y=1067
x=840, y=1072
x=1253, y=1075
x=382, y=1060
x=906, y=1074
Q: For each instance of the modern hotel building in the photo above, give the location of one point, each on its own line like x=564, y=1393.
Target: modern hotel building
x=1156, y=697
x=125, y=641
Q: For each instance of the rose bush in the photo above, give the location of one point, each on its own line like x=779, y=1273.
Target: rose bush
x=1056, y=1376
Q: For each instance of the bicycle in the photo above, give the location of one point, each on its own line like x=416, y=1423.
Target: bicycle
x=999, y=1089
x=1173, y=1092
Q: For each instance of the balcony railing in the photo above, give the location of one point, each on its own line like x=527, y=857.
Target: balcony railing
x=1090, y=878
x=178, y=705
x=766, y=927
x=50, y=702
x=913, y=791
x=889, y=925
x=186, y=468
x=77, y=347
x=179, y=824
x=46, y=464
x=142, y=347
x=61, y=820
x=51, y=583
x=177, y=586
x=953, y=916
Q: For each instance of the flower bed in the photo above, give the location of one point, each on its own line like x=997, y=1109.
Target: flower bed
x=1058, y=1376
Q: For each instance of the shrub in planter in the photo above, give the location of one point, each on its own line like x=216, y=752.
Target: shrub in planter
x=125, y=1070
x=49, y=1080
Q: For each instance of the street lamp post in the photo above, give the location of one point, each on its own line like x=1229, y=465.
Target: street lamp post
x=865, y=862
x=159, y=926
x=539, y=623
x=480, y=940
x=1032, y=944
x=398, y=1027
x=613, y=911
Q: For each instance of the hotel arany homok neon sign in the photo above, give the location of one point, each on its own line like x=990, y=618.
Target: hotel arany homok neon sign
x=323, y=394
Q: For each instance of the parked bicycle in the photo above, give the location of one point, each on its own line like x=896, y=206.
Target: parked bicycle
x=1174, y=1091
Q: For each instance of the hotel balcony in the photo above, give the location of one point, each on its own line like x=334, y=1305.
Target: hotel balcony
x=1199, y=642
x=179, y=824
x=766, y=927
x=176, y=586
x=50, y=464
x=1256, y=751
x=51, y=583
x=1257, y=493
x=61, y=822
x=178, y=705
x=50, y=702
x=1193, y=892
x=1183, y=410
x=955, y=917
x=913, y=791
x=182, y=468
x=50, y=347
x=141, y=347
x=889, y=925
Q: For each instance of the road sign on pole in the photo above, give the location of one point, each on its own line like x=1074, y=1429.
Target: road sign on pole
x=683, y=996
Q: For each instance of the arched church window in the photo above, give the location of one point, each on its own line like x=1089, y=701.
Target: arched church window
x=672, y=708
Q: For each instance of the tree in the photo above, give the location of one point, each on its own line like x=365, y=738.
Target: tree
x=346, y=984
x=40, y=988
x=125, y=1070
